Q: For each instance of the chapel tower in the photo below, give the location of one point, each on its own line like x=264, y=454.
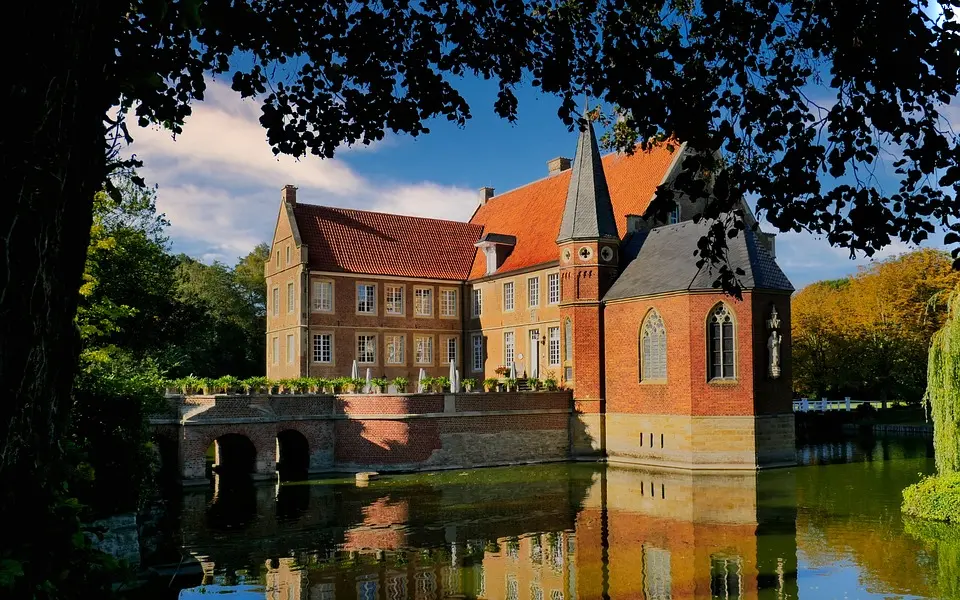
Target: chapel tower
x=588, y=244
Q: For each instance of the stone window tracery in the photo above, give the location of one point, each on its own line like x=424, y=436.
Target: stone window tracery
x=721, y=333
x=653, y=348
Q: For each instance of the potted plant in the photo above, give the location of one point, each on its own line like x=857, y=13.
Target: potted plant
x=469, y=384
x=401, y=384
x=380, y=384
x=206, y=386
x=502, y=371
x=550, y=384
x=427, y=383
x=226, y=384
x=534, y=383
x=171, y=387
x=320, y=385
x=490, y=384
x=441, y=384
x=511, y=383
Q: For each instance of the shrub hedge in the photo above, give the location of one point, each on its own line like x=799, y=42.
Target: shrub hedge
x=936, y=497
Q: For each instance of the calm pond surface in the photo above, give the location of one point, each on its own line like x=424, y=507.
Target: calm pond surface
x=828, y=529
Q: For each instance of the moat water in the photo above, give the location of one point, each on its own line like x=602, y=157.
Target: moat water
x=830, y=528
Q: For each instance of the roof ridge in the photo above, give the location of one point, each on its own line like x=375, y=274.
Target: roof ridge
x=550, y=176
x=388, y=214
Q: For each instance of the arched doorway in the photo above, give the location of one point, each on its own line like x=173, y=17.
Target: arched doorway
x=232, y=454
x=293, y=454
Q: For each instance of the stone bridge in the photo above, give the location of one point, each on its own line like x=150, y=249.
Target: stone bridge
x=261, y=434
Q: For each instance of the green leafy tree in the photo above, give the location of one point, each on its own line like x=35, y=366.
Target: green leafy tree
x=730, y=78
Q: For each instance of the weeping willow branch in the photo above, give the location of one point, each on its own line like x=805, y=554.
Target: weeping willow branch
x=943, y=389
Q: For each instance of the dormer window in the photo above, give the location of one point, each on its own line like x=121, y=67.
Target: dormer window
x=496, y=247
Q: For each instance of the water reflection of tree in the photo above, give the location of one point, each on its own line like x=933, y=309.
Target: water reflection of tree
x=853, y=511
x=944, y=540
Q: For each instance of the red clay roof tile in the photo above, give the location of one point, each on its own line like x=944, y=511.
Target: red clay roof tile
x=533, y=212
x=358, y=241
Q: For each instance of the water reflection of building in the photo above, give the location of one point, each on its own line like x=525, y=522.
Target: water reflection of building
x=623, y=534
x=658, y=535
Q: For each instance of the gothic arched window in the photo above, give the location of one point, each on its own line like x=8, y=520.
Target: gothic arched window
x=721, y=333
x=653, y=348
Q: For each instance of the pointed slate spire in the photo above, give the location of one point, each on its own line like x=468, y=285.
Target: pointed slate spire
x=588, y=214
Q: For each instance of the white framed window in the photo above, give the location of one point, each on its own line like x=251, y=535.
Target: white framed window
x=366, y=298
x=423, y=302
x=553, y=346
x=674, y=216
x=424, y=349
x=477, y=302
x=394, y=347
x=553, y=288
x=509, y=346
x=291, y=298
x=653, y=348
x=476, y=341
x=449, y=351
x=276, y=350
x=508, y=296
x=288, y=254
x=323, y=296
x=323, y=348
x=448, y=303
x=394, y=299
x=533, y=292
x=276, y=298
x=291, y=349
x=366, y=348
x=568, y=340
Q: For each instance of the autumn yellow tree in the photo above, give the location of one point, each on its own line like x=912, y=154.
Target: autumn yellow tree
x=867, y=336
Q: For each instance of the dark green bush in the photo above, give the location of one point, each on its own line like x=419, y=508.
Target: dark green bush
x=936, y=497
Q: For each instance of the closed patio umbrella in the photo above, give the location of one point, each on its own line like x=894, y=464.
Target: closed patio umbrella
x=420, y=378
x=355, y=372
x=369, y=387
x=454, y=382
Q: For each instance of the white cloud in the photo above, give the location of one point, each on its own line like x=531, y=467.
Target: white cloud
x=219, y=183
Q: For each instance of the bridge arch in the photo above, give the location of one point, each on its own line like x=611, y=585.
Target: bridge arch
x=234, y=454
x=293, y=454
x=242, y=447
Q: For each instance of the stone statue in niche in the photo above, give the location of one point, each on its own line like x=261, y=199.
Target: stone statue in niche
x=773, y=344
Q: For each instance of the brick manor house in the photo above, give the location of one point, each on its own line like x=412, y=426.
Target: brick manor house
x=564, y=277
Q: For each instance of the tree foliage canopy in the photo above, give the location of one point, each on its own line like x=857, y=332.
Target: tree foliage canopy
x=800, y=105
x=867, y=336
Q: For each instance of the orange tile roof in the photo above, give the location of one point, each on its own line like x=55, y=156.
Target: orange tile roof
x=533, y=212
x=359, y=241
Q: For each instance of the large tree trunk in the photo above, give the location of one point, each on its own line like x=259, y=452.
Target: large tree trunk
x=52, y=162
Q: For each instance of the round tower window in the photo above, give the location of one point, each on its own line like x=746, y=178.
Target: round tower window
x=606, y=253
x=585, y=253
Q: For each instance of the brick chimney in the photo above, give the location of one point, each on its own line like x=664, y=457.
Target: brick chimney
x=557, y=165
x=485, y=194
x=289, y=194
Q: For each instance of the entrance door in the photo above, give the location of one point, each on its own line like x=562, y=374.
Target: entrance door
x=534, y=371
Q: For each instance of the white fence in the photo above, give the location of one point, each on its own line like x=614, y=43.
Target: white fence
x=824, y=405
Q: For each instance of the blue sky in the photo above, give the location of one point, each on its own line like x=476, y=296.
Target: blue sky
x=219, y=184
